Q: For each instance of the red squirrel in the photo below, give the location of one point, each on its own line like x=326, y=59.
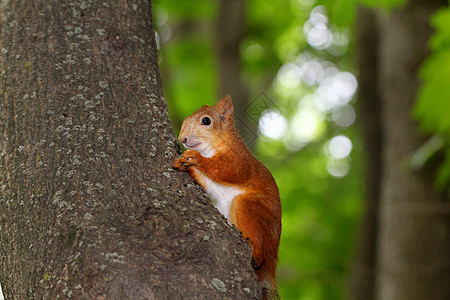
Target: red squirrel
x=243, y=189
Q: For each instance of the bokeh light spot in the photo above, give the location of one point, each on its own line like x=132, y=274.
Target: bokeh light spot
x=338, y=167
x=272, y=124
x=340, y=147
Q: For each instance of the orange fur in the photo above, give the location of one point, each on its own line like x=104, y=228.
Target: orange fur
x=245, y=189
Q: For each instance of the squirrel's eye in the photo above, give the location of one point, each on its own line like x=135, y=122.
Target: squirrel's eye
x=206, y=121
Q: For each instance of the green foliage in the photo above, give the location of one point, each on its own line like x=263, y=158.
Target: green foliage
x=277, y=27
x=433, y=104
x=187, y=10
x=441, y=38
x=187, y=58
x=341, y=12
x=190, y=63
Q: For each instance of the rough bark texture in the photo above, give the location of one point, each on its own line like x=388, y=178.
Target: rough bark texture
x=362, y=280
x=414, y=228
x=90, y=207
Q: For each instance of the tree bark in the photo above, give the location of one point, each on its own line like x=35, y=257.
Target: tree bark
x=90, y=207
x=362, y=280
x=414, y=223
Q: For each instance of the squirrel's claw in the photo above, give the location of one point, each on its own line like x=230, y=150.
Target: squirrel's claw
x=185, y=161
x=179, y=165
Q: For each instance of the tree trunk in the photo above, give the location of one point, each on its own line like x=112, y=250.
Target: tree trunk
x=414, y=224
x=90, y=207
x=230, y=29
x=362, y=280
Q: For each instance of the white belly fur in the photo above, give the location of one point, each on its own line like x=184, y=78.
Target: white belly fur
x=222, y=195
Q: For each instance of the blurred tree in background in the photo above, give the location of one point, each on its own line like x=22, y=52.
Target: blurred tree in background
x=291, y=68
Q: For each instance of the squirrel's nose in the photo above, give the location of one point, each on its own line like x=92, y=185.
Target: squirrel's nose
x=184, y=140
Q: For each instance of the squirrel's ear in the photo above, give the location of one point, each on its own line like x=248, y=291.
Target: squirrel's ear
x=225, y=106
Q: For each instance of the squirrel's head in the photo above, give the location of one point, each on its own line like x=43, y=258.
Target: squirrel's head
x=206, y=129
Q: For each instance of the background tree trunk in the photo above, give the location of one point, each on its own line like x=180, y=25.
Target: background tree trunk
x=362, y=280
x=414, y=228
x=230, y=29
x=90, y=207
x=404, y=243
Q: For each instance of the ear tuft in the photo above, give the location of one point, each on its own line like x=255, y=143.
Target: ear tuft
x=225, y=106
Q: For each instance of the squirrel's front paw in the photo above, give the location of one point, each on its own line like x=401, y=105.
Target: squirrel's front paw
x=186, y=160
x=178, y=165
